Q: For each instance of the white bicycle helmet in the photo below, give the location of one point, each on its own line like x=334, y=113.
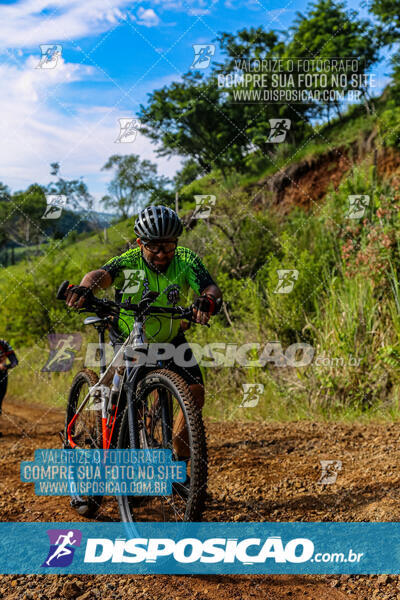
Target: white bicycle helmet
x=158, y=223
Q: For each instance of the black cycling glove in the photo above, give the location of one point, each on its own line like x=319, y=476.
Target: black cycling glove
x=80, y=291
x=208, y=303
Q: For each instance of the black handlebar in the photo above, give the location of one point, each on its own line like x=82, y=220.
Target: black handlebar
x=104, y=307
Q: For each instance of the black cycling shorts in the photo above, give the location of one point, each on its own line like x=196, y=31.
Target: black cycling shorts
x=190, y=371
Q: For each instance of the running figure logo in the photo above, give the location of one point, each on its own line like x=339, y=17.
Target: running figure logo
x=204, y=204
x=133, y=280
x=128, y=129
x=202, y=55
x=62, y=351
x=54, y=206
x=357, y=206
x=251, y=394
x=330, y=470
x=287, y=279
x=62, y=547
x=50, y=54
x=278, y=131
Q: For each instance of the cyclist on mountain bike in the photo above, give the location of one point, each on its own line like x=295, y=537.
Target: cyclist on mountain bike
x=158, y=264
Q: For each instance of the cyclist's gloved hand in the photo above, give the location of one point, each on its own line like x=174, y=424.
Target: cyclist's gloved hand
x=204, y=306
x=76, y=295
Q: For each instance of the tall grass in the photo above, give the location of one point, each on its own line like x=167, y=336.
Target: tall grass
x=345, y=304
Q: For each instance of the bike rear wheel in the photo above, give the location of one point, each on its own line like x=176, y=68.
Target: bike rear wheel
x=86, y=431
x=161, y=395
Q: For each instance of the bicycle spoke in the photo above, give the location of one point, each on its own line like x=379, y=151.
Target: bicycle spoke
x=166, y=411
x=85, y=431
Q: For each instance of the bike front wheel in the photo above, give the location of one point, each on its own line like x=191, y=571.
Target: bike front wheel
x=167, y=417
x=86, y=431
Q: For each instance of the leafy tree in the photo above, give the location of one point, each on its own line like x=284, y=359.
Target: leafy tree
x=388, y=12
x=244, y=53
x=23, y=216
x=75, y=190
x=3, y=225
x=5, y=197
x=193, y=118
x=198, y=117
x=5, y=194
x=328, y=31
x=388, y=32
x=248, y=45
x=135, y=182
x=189, y=172
x=78, y=213
x=161, y=193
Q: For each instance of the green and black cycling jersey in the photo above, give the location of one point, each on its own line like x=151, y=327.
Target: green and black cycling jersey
x=133, y=278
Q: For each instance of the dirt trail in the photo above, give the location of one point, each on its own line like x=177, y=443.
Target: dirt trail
x=258, y=472
x=306, y=183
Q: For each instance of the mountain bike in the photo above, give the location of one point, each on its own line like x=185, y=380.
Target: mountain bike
x=139, y=411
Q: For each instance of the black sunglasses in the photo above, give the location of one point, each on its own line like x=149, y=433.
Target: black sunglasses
x=155, y=248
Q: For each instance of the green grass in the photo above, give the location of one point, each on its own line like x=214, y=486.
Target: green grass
x=324, y=139
x=29, y=308
x=340, y=315
x=91, y=246
x=285, y=397
x=28, y=383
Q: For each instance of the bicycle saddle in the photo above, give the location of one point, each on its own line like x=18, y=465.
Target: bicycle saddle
x=94, y=320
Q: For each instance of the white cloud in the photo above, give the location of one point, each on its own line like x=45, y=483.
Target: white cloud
x=147, y=17
x=199, y=12
x=193, y=7
x=31, y=83
x=33, y=22
x=248, y=4
x=37, y=128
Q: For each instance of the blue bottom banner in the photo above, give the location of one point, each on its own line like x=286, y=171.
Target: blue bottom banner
x=200, y=548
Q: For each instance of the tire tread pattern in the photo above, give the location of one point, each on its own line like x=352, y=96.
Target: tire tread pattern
x=198, y=466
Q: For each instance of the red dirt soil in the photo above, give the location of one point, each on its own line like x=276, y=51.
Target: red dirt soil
x=307, y=182
x=258, y=472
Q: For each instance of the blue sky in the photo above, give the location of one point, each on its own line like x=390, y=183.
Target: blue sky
x=113, y=54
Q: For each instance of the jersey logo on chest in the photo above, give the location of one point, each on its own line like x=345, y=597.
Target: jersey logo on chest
x=173, y=293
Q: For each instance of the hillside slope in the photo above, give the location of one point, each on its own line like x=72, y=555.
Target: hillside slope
x=296, y=218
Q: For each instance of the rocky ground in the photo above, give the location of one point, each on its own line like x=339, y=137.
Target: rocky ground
x=258, y=472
